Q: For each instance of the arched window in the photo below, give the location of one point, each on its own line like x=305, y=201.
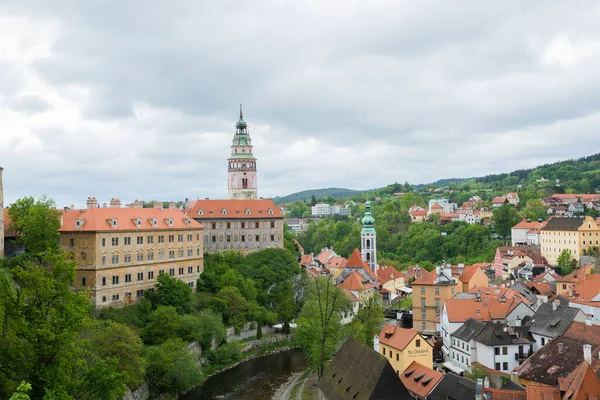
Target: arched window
x=200, y=211
x=368, y=256
x=368, y=243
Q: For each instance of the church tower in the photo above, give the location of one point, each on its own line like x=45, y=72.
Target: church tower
x=368, y=239
x=242, y=164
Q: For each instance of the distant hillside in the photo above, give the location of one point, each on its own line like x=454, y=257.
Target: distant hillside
x=443, y=182
x=337, y=193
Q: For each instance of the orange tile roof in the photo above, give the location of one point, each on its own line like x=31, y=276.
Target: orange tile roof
x=499, y=200
x=356, y=261
x=542, y=288
x=419, y=213
x=386, y=274
x=306, y=259
x=213, y=209
x=324, y=255
x=354, y=281
x=350, y=295
x=499, y=394
x=396, y=337
x=336, y=262
x=468, y=273
x=7, y=231
x=420, y=380
x=586, y=290
x=460, y=310
x=100, y=218
x=427, y=279
x=436, y=206
x=582, y=383
x=579, y=275
x=584, y=333
x=535, y=392
x=529, y=225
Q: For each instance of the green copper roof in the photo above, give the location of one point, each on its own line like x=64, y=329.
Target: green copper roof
x=242, y=156
x=241, y=124
x=368, y=220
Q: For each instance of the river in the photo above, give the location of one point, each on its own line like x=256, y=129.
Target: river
x=256, y=379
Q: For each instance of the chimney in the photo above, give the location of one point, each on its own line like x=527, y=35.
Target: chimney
x=158, y=204
x=103, y=205
x=555, y=304
x=518, y=321
x=561, y=347
x=376, y=343
x=570, y=291
x=115, y=203
x=587, y=353
x=91, y=202
x=437, y=271
x=479, y=389
x=72, y=206
x=137, y=204
x=172, y=205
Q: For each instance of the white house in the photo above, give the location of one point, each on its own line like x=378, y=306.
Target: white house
x=492, y=305
x=527, y=232
x=321, y=209
x=498, y=346
x=552, y=319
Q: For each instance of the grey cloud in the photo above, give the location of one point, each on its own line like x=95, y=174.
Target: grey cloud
x=29, y=104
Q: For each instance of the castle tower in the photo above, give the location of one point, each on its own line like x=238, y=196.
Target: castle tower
x=241, y=164
x=368, y=239
x=1, y=215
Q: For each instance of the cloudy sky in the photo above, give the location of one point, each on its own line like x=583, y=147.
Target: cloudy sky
x=138, y=99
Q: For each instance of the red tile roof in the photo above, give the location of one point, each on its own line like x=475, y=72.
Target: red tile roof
x=535, y=392
x=100, y=219
x=324, y=255
x=397, y=337
x=436, y=206
x=235, y=209
x=499, y=394
x=336, y=262
x=488, y=309
x=582, y=383
x=386, y=274
x=468, y=273
x=7, y=231
x=354, y=281
x=419, y=213
x=356, y=261
x=420, y=380
x=529, y=225
x=306, y=259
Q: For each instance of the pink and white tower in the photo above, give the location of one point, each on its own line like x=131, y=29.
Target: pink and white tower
x=242, y=164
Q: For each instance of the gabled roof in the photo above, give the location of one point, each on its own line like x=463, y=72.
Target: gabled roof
x=584, y=333
x=355, y=281
x=397, y=337
x=468, y=273
x=387, y=273
x=234, y=209
x=324, y=255
x=356, y=261
x=358, y=372
x=100, y=219
x=502, y=394
x=336, y=262
x=552, y=323
x=453, y=387
x=468, y=330
x=535, y=225
x=306, y=259
x=419, y=379
x=460, y=309
x=418, y=213
x=582, y=383
x=494, y=334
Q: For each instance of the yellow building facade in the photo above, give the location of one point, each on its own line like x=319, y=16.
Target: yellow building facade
x=403, y=346
x=573, y=234
x=120, y=252
x=429, y=293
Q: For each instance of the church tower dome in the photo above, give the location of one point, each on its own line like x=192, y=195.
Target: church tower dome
x=368, y=239
x=242, y=164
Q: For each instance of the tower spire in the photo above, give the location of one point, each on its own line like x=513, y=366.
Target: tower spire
x=241, y=113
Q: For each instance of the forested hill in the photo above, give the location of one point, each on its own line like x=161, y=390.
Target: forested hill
x=318, y=193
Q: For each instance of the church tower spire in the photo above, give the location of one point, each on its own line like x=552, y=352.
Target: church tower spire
x=241, y=164
x=368, y=239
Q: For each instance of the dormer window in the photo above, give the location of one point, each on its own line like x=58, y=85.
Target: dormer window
x=79, y=223
x=224, y=211
x=139, y=222
x=270, y=211
x=186, y=221
x=200, y=211
x=247, y=211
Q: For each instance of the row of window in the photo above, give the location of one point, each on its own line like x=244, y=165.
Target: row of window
x=460, y=357
x=114, y=259
x=437, y=302
x=437, y=290
x=234, y=238
x=114, y=241
x=556, y=250
x=138, y=294
x=460, y=344
x=242, y=225
x=140, y=275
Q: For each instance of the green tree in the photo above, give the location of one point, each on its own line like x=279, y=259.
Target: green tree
x=535, y=210
x=313, y=200
x=236, y=306
x=206, y=328
x=121, y=342
x=368, y=321
x=21, y=393
x=42, y=322
x=170, y=291
x=164, y=324
x=505, y=217
x=566, y=262
x=171, y=369
x=36, y=224
x=319, y=324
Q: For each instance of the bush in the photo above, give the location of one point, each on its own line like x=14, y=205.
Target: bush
x=205, y=327
x=171, y=369
x=229, y=353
